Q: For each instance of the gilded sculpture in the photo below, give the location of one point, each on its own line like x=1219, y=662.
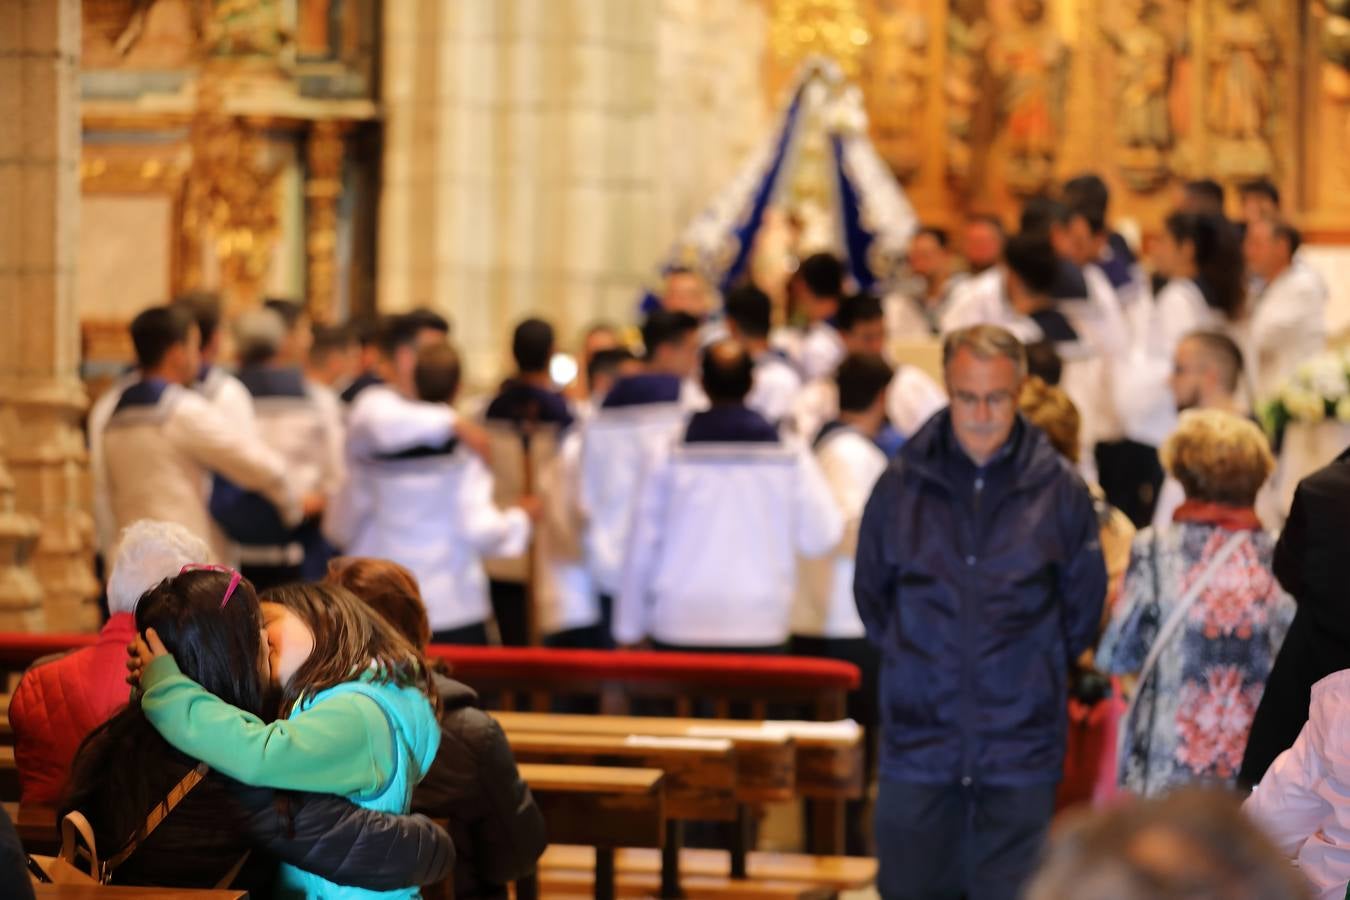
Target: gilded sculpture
x=967, y=36
x=896, y=83
x=1029, y=63
x=1144, y=58
x=1240, y=102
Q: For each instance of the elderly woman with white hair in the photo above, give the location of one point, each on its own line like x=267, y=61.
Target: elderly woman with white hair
x=1202, y=616
x=61, y=699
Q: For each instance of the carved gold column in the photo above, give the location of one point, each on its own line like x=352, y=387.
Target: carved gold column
x=323, y=185
x=41, y=396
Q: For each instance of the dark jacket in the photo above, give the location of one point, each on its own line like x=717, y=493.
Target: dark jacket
x=473, y=782
x=1310, y=563
x=13, y=868
x=220, y=820
x=980, y=586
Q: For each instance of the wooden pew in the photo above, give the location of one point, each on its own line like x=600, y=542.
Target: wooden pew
x=700, y=777
x=9, y=776
x=775, y=872
x=36, y=826
x=605, y=808
x=96, y=892
x=828, y=759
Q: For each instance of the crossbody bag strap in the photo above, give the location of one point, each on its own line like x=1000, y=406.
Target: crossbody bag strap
x=157, y=815
x=1174, y=619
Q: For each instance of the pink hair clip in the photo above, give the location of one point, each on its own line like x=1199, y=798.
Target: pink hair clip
x=235, y=577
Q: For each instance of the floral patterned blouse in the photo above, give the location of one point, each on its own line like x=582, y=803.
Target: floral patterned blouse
x=1194, y=710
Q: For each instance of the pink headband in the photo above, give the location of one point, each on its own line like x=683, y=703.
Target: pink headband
x=235, y=577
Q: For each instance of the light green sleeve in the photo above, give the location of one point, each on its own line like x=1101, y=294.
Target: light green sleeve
x=342, y=745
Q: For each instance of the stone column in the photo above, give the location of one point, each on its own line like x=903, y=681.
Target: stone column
x=540, y=158
x=41, y=397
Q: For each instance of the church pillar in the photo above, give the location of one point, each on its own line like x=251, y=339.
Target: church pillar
x=41, y=396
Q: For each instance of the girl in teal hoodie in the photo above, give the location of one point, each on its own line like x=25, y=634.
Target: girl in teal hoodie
x=356, y=713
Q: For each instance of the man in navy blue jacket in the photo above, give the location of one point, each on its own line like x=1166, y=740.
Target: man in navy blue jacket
x=980, y=576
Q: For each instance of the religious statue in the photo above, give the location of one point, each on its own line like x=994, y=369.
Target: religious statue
x=1030, y=64
x=246, y=28
x=1144, y=56
x=897, y=84
x=967, y=35
x=1241, y=98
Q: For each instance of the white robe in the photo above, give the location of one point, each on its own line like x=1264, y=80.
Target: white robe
x=1287, y=327
x=824, y=607
x=715, y=539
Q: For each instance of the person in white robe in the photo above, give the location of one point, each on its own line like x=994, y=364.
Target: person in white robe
x=817, y=289
x=427, y=505
x=777, y=382
x=722, y=517
x=911, y=398
x=640, y=415
x=163, y=441
x=1288, y=322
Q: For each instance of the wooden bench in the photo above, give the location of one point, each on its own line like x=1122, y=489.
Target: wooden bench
x=700, y=778
x=9, y=776
x=37, y=827
x=827, y=761
x=836, y=873
x=604, y=808
x=97, y=892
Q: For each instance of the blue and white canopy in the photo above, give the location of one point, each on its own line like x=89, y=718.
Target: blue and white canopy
x=871, y=220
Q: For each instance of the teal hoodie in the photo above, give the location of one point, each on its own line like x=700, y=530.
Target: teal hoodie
x=369, y=742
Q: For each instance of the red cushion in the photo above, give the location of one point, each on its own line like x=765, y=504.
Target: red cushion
x=18, y=650
x=545, y=664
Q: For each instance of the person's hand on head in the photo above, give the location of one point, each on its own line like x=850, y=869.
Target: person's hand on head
x=140, y=653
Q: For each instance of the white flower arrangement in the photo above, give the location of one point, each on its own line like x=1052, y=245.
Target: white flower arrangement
x=1319, y=390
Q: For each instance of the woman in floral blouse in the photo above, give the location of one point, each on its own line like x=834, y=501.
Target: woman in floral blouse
x=1194, y=706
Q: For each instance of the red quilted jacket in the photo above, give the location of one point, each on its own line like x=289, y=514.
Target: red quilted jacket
x=60, y=701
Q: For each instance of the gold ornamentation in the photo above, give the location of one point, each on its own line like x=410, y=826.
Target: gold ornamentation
x=324, y=184
x=1144, y=55
x=246, y=28
x=896, y=83
x=1030, y=64
x=232, y=195
x=833, y=28
x=967, y=38
x=1240, y=102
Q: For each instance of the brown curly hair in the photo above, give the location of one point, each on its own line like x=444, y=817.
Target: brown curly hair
x=389, y=589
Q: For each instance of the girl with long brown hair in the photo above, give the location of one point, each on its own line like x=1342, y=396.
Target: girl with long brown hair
x=356, y=712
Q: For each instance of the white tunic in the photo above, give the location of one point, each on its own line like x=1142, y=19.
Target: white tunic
x=431, y=510
x=775, y=388
x=851, y=463
x=157, y=458
x=1288, y=326
x=713, y=554
x=822, y=350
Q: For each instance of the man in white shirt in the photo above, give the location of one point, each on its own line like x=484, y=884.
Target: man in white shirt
x=163, y=441
x=722, y=517
x=817, y=289
x=1288, y=320
x=911, y=398
x=301, y=422
x=1206, y=374
x=825, y=618
x=428, y=506
x=639, y=416
x=915, y=312
x=777, y=382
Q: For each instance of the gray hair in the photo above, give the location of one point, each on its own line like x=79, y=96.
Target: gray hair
x=149, y=551
x=258, y=335
x=985, y=342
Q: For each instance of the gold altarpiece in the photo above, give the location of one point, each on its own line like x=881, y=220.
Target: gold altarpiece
x=217, y=135
x=977, y=104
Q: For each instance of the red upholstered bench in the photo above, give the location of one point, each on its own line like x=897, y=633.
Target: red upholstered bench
x=819, y=686
x=19, y=650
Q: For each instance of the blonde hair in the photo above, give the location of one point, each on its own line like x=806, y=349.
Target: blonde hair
x=1218, y=457
x=1050, y=409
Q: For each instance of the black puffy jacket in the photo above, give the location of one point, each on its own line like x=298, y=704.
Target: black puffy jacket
x=220, y=820
x=474, y=784
x=980, y=586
